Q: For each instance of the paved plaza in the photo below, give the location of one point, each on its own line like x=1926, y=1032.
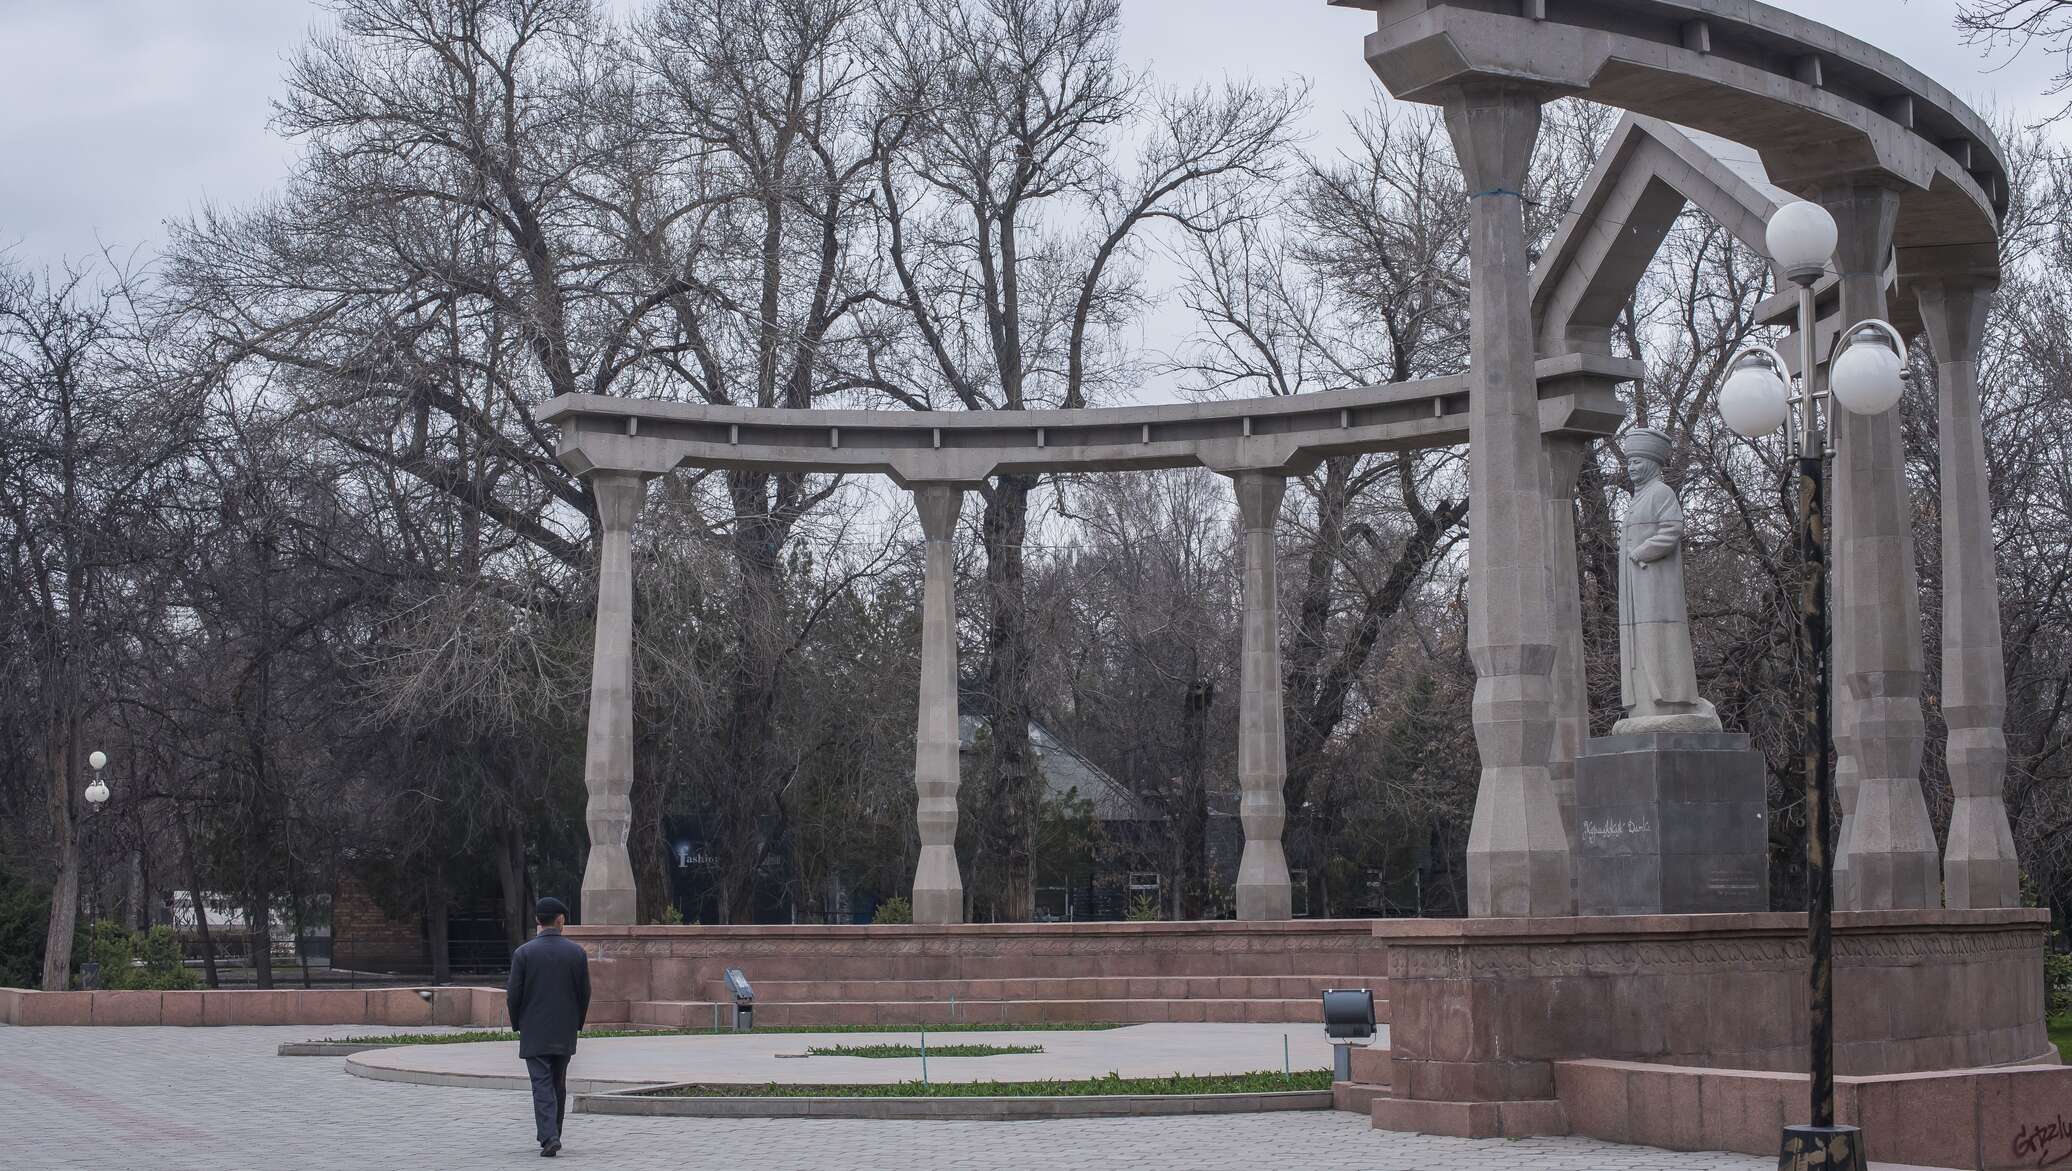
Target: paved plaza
x=218, y=1099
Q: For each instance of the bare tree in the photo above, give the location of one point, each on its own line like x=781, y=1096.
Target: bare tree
x=2017, y=26
x=88, y=445
x=1013, y=224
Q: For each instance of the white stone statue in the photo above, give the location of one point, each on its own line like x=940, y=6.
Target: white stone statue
x=1658, y=679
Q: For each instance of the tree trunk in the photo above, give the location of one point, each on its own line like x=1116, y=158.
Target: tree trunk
x=644, y=846
x=1016, y=785
x=258, y=924
x=749, y=793
x=296, y=903
x=435, y=908
x=201, y=908
x=64, y=896
x=139, y=898
x=510, y=874
x=1192, y=816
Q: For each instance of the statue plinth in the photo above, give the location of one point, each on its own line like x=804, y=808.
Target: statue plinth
x=1671, y=823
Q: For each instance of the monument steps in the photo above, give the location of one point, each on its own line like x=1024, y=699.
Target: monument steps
x=1356, y=1097
x=807, y=1014
x=1047, y=988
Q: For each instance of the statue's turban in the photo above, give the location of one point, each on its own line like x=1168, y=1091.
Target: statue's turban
x=1649, y=443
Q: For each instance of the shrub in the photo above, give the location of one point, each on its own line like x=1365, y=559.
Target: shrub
x=2057, y=984
x=894, y=910
x=24, y=920
x=1143, y=909
x=161, y=969
x=137, y=961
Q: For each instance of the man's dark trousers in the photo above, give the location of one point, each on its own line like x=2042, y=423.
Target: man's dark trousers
x=549, y=1094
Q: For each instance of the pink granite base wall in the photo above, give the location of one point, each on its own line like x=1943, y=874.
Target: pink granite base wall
x=1979, y=1120
x=280, y=1006
x=1482, y=1009
x=632, y=964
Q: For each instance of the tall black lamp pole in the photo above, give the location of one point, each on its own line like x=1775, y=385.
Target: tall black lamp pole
x=1755, y=400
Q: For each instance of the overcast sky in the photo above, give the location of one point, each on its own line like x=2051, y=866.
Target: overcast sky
x=117, y=114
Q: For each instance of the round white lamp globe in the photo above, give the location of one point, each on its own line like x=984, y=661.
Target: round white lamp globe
x=1753, y=400
x=1866, y=378
x=97, y=793
x=1801, y=238
x=97, y=759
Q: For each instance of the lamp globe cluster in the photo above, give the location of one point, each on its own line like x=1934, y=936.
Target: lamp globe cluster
x=1867, y=377
x=1754, y=399
x=1801, y=237
x=97, y=792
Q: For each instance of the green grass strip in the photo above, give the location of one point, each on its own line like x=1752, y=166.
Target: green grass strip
x=475, y=1035
x=915, y=1050
x=1263, y=1082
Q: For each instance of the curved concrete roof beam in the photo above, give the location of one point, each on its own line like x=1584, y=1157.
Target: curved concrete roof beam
x=1818, y=106
x=1288, y=435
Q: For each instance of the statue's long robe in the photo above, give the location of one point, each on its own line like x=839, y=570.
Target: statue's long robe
x=1656, y=669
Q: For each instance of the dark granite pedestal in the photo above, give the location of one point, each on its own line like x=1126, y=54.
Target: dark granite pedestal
x=1671, y=823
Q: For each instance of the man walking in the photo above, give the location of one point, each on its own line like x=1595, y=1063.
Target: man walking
x=549, y=997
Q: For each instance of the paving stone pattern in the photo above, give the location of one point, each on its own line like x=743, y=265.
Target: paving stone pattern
x=216, y=1099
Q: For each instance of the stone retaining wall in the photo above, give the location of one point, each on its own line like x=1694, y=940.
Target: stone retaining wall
x=2014, y=1117
x=1481, y=1010
x=634, y=964
x=278, y=1006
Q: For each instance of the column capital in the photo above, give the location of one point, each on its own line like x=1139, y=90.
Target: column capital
x=1866, y=213
x=1953, y=314
x=1494, y=128
x=939, y=505
x=620, y=496
x=1565, y=452
x=1259, y=496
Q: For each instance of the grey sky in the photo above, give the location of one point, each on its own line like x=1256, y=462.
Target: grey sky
x=121, y=113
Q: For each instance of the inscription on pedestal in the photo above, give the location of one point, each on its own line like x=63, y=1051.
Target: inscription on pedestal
x=1671, y=823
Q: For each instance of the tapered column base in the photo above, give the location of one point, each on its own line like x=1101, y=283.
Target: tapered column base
x=938, y=891
x=609, y=896
x=1263, y=890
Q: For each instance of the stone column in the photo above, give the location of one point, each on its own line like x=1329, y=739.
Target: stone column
x=938, y=889
x=1262, y=748
x=608, y=889
x=1893, y=862
x=1518, y=856
x=1565, y=454
x=1979, y=868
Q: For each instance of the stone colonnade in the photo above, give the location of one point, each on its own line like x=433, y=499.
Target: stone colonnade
x=1530, y=707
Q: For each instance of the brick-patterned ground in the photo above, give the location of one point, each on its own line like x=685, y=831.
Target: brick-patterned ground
x=217, y=1099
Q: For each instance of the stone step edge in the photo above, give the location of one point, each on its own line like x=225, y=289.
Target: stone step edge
x=1119, y=1004
x=1357, y=1097
x=967, y=1109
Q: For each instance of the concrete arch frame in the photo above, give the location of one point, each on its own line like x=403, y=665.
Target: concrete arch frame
x=1917, y=184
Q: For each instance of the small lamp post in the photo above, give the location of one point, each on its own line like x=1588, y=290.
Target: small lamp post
x=1755, y=399
x=97, y=790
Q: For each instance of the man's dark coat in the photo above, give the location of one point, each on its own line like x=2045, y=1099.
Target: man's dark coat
x=549, y=994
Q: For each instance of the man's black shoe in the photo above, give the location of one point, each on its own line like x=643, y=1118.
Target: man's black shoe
x=550, y=1148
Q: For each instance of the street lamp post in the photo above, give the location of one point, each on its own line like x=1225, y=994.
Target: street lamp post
x=1865, y=377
